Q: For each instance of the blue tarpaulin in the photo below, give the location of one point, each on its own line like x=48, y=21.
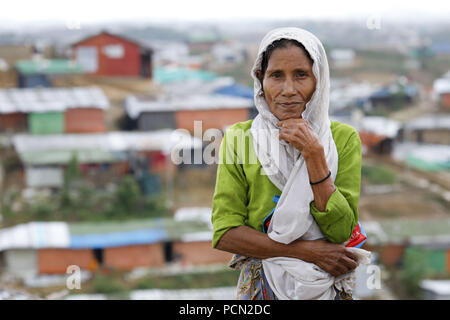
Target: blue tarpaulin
x=236, y=90
x=116, y=239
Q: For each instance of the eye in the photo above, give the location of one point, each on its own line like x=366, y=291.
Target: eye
x=275, y=75
x=301, y=74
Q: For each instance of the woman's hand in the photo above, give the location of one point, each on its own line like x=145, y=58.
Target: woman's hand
x=330, y=257
x=298, y=133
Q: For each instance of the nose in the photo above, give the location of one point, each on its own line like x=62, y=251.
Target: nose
x=288, y=87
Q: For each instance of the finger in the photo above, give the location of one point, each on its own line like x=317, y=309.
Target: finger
x=349, y=263
x=287, y=134
x=350, y=254
x=285, y=131
x=339, y=269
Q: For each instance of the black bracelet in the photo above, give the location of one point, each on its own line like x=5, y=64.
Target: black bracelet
x=328, y=175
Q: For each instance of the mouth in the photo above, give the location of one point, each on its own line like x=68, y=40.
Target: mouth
x=289, y=104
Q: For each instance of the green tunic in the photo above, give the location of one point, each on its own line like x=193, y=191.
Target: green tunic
x=244, y=196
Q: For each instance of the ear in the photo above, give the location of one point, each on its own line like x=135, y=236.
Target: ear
x=259, y=76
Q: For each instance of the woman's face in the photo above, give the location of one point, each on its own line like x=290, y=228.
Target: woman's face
x=288, y=82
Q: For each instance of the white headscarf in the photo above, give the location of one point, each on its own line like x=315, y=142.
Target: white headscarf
x=284, y=165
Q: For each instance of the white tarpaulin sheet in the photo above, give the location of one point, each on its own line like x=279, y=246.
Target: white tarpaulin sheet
x=35, y=235
x=51, y=99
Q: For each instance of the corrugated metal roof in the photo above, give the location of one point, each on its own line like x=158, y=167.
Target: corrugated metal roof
x=135, y=106
x=29, y=100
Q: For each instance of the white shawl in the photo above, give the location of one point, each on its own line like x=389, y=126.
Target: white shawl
x=291, y=278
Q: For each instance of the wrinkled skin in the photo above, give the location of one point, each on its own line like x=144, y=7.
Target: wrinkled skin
x=288, y=85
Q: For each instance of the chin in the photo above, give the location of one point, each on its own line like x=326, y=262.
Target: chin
x=286, y=116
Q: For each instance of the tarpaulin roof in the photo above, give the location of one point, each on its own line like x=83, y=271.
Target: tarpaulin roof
x=98, y=147
x=35, y=235
x=442, y=85
x=390, y=90
x=102, y=234
x=236, y=90
x=197, y=86
x=29, y=100
x=61, y=157
x=416, y=231
x=377, y=125
x=48, y=66
x=380, y=126
x=167, y=75
x=431, y=121
x=135, y=106
x=117, y=239
x=430, y=157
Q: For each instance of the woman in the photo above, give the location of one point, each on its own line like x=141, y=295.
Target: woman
x=312, y=171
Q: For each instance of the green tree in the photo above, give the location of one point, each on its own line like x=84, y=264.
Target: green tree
x=414, y=270
x=72, y=174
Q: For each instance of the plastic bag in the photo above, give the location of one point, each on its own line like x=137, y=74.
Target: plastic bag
x=358, y=237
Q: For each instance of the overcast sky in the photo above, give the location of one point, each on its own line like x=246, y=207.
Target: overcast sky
x=29, y=12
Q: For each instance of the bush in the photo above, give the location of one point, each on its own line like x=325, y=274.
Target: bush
x=80, y=202
x=224, y=278
x=414, y=270
x=43, y=210
x=107, y=285
x=378, y=175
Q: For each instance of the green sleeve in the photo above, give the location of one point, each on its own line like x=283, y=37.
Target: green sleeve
x=341, y=214
x=229, y=205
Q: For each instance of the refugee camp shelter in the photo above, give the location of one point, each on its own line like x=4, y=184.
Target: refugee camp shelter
x=441, y=91
x=53, y=110
x=213, y=110
x=429, y=237
x=431, y=129
x=39, y=248
x=435, y=289
x=378, y=134
x=107, y=54
x=100, y=154
x=39, y=72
